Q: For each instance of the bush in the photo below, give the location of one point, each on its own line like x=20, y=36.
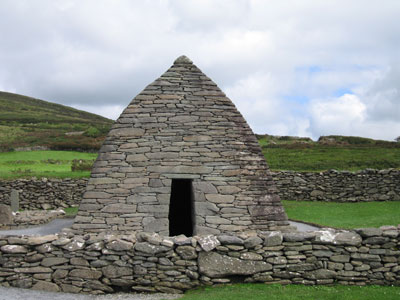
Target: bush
x=81, y=146
x=285, y=138
x=6, y=148
x=92, y=132
x=82, y=165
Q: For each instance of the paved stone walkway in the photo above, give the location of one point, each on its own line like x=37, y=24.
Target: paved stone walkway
x=50, y=228
x=58, y=224
x=7, y=293
x=303, y=226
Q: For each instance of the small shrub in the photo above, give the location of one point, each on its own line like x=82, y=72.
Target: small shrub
x=285, y=138
x=71, y=211
x=92, y=132
x=22, y=172
x=104, y=129
x=52, y=161
x=6, y=148
x=86, y=146
x=82, y=165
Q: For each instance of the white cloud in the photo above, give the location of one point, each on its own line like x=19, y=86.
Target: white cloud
x=337, y=116
x=256, y=98
x=383, y=96
x=349, y=115
x=279, y=61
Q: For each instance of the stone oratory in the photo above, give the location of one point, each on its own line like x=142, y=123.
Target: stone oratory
x=180, y=159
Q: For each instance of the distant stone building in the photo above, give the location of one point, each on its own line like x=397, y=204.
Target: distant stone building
x=180, y=159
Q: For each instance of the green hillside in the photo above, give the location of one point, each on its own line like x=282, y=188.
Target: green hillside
x=31, y=124
x=26, y=122
x=349, y=153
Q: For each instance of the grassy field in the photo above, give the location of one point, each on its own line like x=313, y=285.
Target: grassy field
x=292, y=292
x=324, y=157
x=29, y=122
x=349, y=153
x=313, y=159
x=42, y=164
x=344, y=215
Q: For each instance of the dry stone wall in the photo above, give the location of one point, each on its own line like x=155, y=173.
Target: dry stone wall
x=339, y=186
x=150, y=262
x=43, y=193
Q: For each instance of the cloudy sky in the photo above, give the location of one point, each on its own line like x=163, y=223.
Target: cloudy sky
x=305, y=68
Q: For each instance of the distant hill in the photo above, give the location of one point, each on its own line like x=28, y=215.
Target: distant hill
x=276, y=141
x=338, y=152
x=31, y=123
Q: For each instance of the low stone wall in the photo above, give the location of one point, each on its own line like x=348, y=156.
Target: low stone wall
x=44, y=193
x=149, y=262
x=343, y=186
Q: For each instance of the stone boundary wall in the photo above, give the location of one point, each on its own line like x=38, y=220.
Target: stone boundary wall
x=339, y=186
x=44, y=193
x=149, y=262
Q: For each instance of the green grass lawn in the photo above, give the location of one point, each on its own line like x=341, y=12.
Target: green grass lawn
x=292, y=292
x=344, y=215
x=321, y=157
x=41, y=164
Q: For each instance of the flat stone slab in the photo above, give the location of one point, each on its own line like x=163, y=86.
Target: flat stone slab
x=6, y=216
x=303, y=227
x=215, y=265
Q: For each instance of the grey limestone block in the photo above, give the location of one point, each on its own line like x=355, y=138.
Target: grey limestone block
x=6, y=216
x=272, y=238
x=215, y=265
x=14, y=200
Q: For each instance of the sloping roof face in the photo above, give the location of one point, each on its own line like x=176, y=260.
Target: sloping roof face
x=180, y=126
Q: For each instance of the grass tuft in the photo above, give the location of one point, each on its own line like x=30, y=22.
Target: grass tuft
x=71, y=211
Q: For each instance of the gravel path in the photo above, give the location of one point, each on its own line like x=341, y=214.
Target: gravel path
x=303, y=226
x=7, y=293
x=49, y=228
x=58, y=224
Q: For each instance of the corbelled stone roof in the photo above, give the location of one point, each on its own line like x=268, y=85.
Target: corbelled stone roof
x=180, y=126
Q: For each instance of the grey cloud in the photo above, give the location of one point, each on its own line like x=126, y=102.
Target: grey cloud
x=94, y=53
x=383, y=98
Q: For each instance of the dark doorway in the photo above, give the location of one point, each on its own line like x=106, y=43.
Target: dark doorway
x=181, y=208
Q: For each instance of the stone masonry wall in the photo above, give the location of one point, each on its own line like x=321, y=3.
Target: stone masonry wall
x=339, y=186
x=44, y=193
x=149, y=262
x=343, y=186
x=181, y=126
